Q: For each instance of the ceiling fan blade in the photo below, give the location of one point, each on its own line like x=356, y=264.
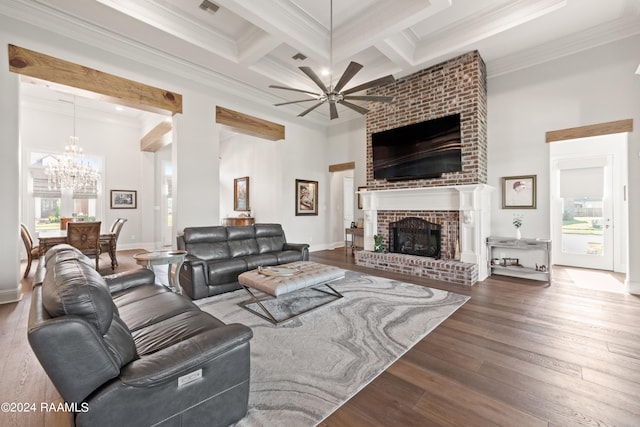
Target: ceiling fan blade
x=313, y=76
x=352, y=70
x=333, y=110
x=377, y=82
x=354, y=107
x=310, y=109
x=374, y=98
x=290, y=88
x=294, y=102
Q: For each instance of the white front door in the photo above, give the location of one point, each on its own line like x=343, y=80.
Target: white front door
x=583, y=211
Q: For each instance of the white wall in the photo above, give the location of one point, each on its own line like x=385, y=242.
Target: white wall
x=272, y=168
x=591, y=87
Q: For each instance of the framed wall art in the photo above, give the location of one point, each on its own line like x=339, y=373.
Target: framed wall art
x=241, y=194
x=519, y=192
x=124, y=199
x=306, y=197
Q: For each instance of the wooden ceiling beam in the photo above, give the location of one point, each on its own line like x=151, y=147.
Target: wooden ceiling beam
x=153, y=140
x=591, y=130
x=249, y=125
x=109, y=87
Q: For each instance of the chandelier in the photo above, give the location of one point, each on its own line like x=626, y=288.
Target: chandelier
x=68, y=171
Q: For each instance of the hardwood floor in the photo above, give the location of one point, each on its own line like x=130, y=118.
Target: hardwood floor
x=516, y=354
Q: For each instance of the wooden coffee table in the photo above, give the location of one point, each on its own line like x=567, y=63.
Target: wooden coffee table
x=277, y=281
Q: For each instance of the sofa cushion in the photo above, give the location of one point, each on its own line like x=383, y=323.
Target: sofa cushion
x=254, y=261
x=207, y=243
x=285, y=257
x=270, y=237
x=74, y=287
x=221, y=272
x=242, y=241
x=159, y=304
x=173, y=330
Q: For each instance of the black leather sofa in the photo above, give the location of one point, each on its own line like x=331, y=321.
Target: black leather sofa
x=123, y=351
x=218, y=254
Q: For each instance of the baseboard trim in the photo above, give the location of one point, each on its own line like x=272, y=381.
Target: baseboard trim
x=10, y=296
x=632, y=287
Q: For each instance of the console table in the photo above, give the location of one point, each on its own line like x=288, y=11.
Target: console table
x=504, y=256
x=354, y=233
x=238, y=221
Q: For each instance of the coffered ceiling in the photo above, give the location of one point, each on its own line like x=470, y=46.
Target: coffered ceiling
x=255, y=42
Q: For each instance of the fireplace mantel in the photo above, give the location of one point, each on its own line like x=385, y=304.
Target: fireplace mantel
x=472, y=201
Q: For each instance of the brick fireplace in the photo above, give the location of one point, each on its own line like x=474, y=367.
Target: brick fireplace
x=459, y=201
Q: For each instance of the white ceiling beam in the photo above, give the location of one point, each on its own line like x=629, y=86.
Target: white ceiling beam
x=255, y=45
x=394, y=17
x=165, y=19
x=399, y=48
x=285, y=22
x=468, y=31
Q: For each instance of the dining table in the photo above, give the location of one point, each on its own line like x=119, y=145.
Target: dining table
x=49, y=238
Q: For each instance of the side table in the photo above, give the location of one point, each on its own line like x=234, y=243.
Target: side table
x=149, y=259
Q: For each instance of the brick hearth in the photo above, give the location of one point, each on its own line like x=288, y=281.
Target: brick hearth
x=462, y=273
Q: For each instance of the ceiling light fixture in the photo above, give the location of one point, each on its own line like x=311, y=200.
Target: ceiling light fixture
x=68, y=171
x=334, y=95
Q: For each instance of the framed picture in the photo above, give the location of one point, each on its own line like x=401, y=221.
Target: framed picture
x=306, y=197
x=241, y=194
x=124, y=199
x=519, y=192
x=360, y=196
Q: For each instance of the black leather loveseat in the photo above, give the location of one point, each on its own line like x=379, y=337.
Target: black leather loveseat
x=123, y=351
x=218, y=254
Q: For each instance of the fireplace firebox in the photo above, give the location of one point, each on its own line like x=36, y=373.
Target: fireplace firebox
x=415, y=236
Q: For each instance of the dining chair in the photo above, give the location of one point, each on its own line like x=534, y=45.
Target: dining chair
x=64, y=222
x=85, y=236
x=116, y=227
x=32, y=251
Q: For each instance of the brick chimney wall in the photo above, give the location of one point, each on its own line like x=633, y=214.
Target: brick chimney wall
x=455, y=86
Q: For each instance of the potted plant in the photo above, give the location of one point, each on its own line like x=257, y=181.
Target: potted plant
x=377, y=243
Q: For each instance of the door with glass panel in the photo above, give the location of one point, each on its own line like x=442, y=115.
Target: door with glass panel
x=582, y=211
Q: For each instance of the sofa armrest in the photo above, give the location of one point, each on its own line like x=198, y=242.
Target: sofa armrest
x=184, y=357
x=301, y=247
x=129, y=279
x=194, y=277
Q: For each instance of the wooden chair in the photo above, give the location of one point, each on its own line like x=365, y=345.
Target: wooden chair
x=116, y=227
x=64, y=222
x=32, y=251
x=85, y=236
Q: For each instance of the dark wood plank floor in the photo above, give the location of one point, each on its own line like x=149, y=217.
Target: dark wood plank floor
x=516, y=354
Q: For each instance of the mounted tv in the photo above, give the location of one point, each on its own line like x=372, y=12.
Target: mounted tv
x=420, y=150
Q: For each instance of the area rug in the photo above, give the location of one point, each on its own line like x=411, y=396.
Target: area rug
x=306, y=368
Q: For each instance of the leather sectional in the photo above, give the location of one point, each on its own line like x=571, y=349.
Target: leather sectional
x=217, y=255
x=123, y=351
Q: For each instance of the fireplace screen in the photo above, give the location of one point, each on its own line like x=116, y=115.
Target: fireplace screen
x=415, y=236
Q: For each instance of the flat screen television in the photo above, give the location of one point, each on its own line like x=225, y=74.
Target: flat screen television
x=420, y=150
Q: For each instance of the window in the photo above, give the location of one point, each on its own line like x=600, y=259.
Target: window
x=49, y=202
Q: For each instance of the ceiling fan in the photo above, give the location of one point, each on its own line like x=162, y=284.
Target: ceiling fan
x=334, y=95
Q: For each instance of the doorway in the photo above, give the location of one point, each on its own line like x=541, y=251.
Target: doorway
x=588, y=202
x=342, y=212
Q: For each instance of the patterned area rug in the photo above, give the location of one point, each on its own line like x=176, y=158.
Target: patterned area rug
x=306, y=368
